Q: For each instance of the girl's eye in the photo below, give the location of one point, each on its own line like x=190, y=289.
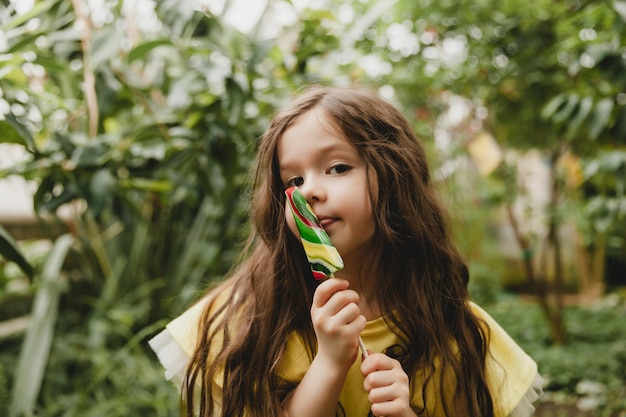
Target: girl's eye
x=294, y=182
x=339, y=169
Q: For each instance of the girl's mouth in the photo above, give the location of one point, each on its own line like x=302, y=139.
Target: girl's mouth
x=326, y=221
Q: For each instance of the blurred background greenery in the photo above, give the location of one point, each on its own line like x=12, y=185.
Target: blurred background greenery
x=132, y=126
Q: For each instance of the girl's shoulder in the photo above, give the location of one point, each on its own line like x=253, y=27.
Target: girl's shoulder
x=512, y=374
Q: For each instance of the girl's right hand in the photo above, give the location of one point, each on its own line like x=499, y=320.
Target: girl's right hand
x=337, y=321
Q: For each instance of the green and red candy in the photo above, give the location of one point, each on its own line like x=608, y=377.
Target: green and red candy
x=322, y=255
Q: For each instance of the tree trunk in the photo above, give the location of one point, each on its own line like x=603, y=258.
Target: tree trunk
x=591, y=261
x=539, y=283
x=554, y=241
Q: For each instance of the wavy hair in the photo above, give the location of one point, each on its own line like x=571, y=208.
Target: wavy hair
x=423, y=298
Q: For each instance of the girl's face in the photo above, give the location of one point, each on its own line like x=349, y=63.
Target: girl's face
x=332, y=177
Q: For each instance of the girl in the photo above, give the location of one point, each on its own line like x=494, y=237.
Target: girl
x=271, y=341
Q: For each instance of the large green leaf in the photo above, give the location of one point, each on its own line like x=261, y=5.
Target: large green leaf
x=143, y=49
x=584, y=108
x=601, y=117
x=36, y=347
x=12, y=131
x=10, y=251
x=38, y=8
x=566, y=111
x=91, y=154
x=553, y=105
x=25, y=43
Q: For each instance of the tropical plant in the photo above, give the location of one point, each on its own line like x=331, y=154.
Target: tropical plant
x=548, y=78
x=144, y=129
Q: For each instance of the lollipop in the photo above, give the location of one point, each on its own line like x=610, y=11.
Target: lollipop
x=323, y=257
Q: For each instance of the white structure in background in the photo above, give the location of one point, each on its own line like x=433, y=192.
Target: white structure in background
x=533, y=188
x=16, y=195
x=22, y=6
x=17, y=212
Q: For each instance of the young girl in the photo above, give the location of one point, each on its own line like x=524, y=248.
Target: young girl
x=272, y=341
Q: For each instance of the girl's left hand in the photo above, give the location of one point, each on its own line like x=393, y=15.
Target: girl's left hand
x=387, y=385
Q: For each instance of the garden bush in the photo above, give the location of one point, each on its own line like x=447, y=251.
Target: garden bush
x=593, y=362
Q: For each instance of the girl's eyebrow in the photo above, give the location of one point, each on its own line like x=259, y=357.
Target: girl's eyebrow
x=322, y=152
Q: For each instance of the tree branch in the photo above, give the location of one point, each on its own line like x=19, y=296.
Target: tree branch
x=89, y=78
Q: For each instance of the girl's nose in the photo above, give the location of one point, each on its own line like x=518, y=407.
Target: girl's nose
x=313, y=191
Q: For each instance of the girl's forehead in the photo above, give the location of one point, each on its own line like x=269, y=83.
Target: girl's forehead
x=312, y=126
x=320, y=117
x=313, y=137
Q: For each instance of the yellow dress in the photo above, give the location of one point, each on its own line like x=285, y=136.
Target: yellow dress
x=512, y=375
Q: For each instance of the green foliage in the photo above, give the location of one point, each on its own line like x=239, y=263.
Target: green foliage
x=548, y=77
x=603, y=212
x=5, y=398
x=87, y=378
x=161, y=174
x=596, y=350
x=485, y=286
x=94, y=377
x=150, y=161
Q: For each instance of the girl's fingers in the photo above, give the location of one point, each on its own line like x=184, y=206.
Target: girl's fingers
x=340, y=300
x=326, y=289
x=383, y=394
x=378, y=362
x=385, y=380
x=378, y=380
x=333, y=299
x=347, y=313
x=331, y=319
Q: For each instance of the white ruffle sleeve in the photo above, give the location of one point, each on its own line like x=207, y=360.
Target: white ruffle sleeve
x=525, y=407
x=171, y=355
x=175, y=344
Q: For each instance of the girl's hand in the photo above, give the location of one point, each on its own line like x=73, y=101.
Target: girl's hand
x=387, y=385
x=337, y=321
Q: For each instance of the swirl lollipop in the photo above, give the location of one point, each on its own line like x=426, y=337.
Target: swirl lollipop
x=322, y=255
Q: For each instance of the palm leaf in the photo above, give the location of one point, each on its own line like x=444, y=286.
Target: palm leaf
x=36, y=347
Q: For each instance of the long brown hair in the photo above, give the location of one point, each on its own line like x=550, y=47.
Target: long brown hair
x=423, y=296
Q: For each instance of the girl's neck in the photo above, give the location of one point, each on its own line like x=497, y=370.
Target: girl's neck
x=370, y=311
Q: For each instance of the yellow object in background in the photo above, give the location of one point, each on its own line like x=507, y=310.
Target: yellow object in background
x=486, y=153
